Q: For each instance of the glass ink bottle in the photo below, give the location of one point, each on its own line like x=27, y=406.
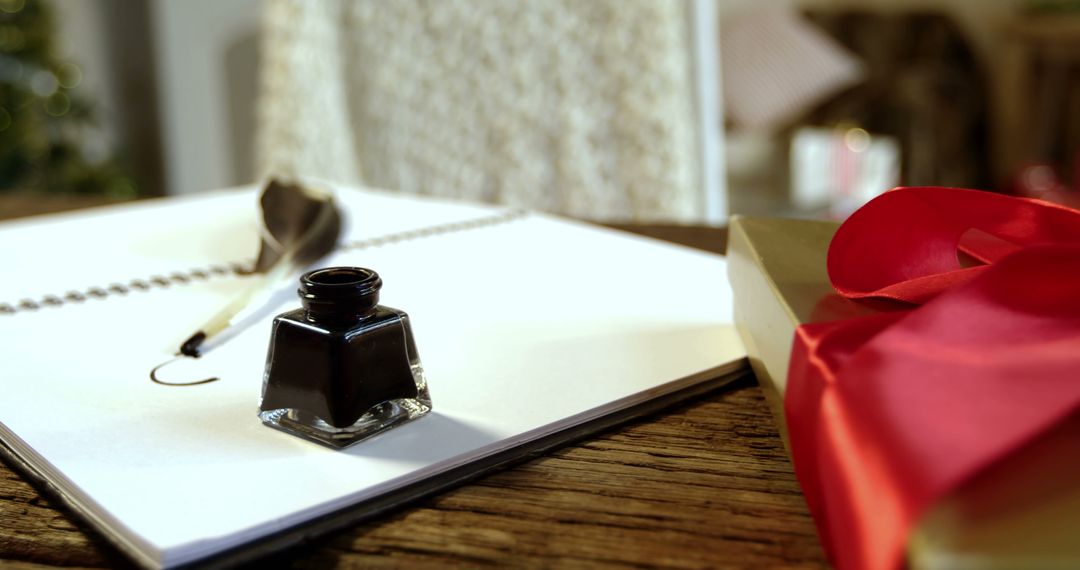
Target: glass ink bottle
x=342, y=368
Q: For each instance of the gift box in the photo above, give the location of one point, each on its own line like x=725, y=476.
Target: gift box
x=1023, y=511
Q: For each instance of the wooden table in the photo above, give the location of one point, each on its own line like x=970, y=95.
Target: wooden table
x=703, y=485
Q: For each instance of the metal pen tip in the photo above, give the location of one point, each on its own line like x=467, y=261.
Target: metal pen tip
x=191, y=345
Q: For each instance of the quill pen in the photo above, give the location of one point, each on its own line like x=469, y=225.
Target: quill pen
x=299, y=225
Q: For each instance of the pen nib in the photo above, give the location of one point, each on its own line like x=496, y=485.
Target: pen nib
x=191, y=345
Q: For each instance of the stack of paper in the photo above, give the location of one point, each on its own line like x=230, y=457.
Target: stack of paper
x=527, y=325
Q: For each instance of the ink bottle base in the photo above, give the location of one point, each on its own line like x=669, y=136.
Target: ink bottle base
x=379, y=418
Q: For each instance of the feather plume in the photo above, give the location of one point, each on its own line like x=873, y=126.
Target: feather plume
x=300, y=225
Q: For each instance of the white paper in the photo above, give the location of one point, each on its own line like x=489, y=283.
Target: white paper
x=566, y=322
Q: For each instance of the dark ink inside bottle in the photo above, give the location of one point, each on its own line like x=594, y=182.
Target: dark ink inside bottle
x=342, y=368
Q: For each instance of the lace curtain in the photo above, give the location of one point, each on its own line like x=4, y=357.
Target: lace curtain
x=583, y=108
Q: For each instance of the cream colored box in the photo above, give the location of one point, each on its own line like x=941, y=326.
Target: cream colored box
x=1023, y=513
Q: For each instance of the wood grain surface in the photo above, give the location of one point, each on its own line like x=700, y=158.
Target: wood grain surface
x=704, y=485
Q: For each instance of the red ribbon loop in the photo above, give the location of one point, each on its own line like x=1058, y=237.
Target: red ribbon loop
x=903, y=245
x=888, y=414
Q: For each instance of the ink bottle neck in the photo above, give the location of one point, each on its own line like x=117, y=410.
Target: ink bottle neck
x=339, y=294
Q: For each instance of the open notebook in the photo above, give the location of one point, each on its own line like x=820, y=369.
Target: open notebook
x=570, y=328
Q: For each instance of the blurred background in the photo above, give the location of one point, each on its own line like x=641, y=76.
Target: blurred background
x=629, y=110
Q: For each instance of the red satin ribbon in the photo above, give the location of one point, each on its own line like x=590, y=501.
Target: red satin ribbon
x=887, y=414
